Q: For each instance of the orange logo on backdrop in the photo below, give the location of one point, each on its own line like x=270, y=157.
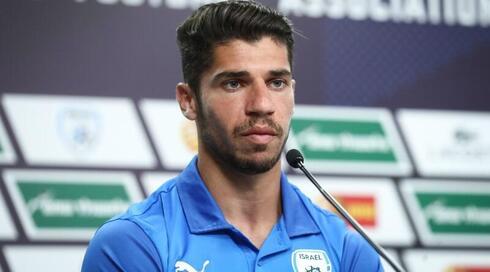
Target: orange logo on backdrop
x=361, y=207
x=468, y=269
x=188, y=132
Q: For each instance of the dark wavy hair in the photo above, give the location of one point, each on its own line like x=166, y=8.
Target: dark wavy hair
x=218, y=23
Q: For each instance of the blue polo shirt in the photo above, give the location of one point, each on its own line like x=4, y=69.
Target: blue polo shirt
x=181, y=228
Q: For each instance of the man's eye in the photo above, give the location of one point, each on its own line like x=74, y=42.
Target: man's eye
x=278, y=83
x=232, y=84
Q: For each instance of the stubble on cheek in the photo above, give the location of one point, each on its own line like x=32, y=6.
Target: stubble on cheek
x=228, y=150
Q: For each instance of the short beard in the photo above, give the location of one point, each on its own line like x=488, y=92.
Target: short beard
x=221, y=148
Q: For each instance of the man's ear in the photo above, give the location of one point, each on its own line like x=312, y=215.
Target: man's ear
x=187, y=100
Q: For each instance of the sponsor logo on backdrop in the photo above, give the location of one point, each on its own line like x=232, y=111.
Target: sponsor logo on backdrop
x=361, y=207
x=71, y=205
x=466, y=144
x=79, y=129
x=342, y=140
x=348, y=140
x=453, y=143
x=464, y=268
x=452, y=212
x=447, y=260
x=51, y=204
x=88, y=131
x=456, y=212
x=433, y=12
x=373, y=202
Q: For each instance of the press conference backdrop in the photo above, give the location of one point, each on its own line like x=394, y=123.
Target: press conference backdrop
x=393, y=117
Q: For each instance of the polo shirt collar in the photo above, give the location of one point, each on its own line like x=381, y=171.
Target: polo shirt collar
x=204, y=215
x=297, y=218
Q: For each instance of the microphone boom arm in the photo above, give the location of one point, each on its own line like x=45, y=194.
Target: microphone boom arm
x=351, y=220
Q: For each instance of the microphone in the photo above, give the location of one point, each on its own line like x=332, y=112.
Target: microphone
x=295, y=159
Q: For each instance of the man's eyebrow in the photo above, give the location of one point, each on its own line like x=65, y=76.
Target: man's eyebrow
x=229, y=74
x=280, y=73
x=240, y=74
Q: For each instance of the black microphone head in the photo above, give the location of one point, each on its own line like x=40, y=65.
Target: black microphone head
x=294, y=158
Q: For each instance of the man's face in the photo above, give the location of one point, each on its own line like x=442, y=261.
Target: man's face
x=245, y=105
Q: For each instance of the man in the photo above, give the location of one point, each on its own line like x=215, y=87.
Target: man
x=232, y=209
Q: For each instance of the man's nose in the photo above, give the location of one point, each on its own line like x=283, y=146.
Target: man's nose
x=259, y=100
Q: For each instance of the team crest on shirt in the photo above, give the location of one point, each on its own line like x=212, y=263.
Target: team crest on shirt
x=310, y=260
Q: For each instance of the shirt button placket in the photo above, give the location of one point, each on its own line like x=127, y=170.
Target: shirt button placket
x=258, y=266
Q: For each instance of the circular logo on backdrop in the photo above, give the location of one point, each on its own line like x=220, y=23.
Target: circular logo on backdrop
x=79, y=128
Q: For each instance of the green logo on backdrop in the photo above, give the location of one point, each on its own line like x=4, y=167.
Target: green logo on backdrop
x=456, y=213
x=72, y=204
x=342, y=140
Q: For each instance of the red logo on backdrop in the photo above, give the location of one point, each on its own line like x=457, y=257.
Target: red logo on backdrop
x=361, y=207
x=468, y=269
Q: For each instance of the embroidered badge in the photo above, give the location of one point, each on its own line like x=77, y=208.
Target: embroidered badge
x=310, y=260
x=181, y=266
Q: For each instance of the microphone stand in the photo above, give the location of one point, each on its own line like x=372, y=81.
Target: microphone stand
x=351, y=220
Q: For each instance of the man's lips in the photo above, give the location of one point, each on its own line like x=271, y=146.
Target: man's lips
x=259, y=131
x=259, y=135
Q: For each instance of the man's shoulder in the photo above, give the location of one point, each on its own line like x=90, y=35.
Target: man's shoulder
x=359, y=255
x=132, y=233
x=121, y=243
x=150, y=205
x=145, y=214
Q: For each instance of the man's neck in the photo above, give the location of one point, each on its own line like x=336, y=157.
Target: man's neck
x=251, y=203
